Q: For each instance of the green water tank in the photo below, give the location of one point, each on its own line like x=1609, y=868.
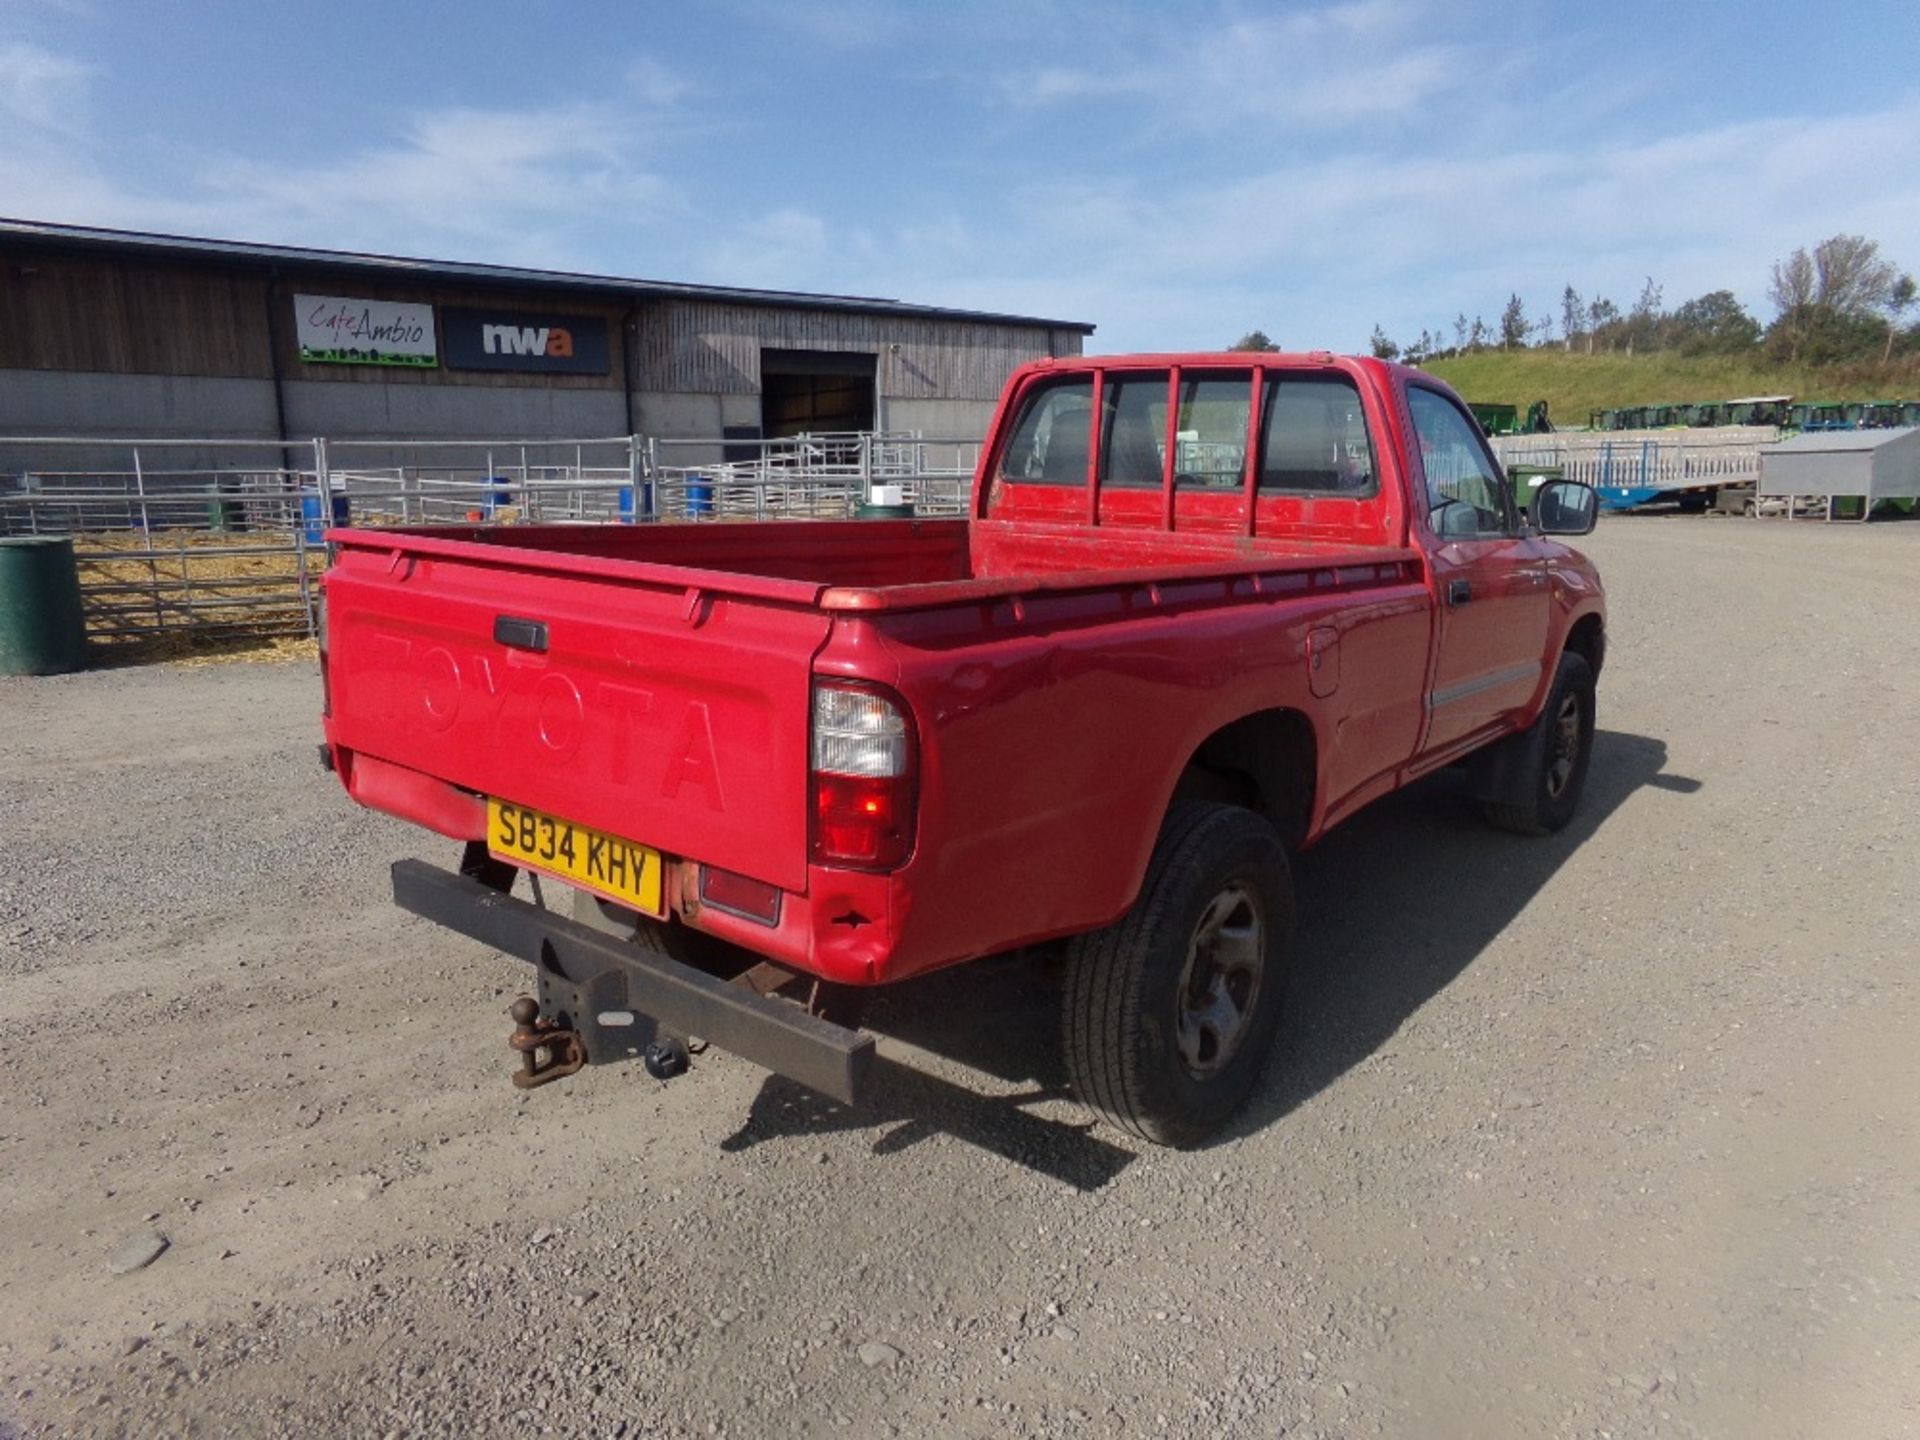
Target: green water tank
x=42, y=628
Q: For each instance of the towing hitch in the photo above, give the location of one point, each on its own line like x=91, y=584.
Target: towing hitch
x=600, y=989
x=548, y=1051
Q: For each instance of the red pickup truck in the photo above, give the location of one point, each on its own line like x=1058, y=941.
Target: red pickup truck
x=1203, y=608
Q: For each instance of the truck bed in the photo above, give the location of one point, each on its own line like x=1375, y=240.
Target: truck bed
x=869, y=565
x=656, y=683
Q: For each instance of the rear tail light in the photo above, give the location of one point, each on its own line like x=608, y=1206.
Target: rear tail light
x=863, y=780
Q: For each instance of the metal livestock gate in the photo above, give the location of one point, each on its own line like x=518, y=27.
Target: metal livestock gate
x=199, y=539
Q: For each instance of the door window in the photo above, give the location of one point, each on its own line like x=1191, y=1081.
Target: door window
x=1466, y=496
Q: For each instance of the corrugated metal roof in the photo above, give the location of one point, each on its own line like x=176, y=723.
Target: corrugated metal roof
x=1827, y=442
x=135, y=242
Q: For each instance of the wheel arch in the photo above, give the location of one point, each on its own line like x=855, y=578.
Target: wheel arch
x=1267, y=761
x=1587, y=638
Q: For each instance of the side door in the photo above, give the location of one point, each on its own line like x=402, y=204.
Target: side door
x=1490, y=578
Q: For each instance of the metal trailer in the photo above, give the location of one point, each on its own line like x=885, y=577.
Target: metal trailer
x=1630, y=471
x=1853, y=470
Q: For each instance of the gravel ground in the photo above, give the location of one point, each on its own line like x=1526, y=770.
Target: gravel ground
x=1609, y=1134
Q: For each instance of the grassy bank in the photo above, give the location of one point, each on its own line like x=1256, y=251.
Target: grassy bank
x=1572, y=385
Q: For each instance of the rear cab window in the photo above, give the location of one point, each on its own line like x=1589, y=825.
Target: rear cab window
x=1313, y=438
x=1204, y=446
x=1133, y=431
x=1210, y=446
x=1049, y=442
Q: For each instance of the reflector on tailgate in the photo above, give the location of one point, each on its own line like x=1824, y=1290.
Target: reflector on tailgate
x=675, y=719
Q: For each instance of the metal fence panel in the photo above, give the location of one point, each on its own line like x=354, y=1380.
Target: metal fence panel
x=167, y=549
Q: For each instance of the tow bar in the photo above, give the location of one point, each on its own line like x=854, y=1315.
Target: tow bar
x=547, y=1051
x=598, y=989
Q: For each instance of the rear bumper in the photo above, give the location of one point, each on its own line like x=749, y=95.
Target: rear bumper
x=592, y=978
x=840, y=926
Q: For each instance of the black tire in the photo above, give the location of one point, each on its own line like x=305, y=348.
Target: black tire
x=1130, y=986
x=1557, y=749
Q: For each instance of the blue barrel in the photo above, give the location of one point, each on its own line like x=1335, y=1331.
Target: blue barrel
x=311, y=512
x=499, y=493
x=636, y=502
x=699, y=497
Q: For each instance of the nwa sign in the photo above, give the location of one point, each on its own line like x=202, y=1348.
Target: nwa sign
x=334, y=330
x=512, y=340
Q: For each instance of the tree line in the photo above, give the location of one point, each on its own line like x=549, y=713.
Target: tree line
x=1840, y=300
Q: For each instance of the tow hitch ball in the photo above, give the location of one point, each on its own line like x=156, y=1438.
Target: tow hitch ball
x=548, y=1051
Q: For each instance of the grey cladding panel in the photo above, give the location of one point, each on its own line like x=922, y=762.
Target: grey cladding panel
x=715, y=349
x=57, y=402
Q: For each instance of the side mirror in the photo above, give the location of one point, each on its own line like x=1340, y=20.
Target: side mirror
x=1565, y=507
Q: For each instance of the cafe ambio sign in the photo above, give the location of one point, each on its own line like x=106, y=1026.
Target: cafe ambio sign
x=339, y=330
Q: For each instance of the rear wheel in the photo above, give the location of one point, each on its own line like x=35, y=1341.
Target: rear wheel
x=1171, y=1010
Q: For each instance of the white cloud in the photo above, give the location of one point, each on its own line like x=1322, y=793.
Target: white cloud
x=516, y=182
x=1316, y=249
x=43, y=90
x=767, y=252
x=534, y=186
x=1324, y=68
x=657, y=84
x=1306, y=171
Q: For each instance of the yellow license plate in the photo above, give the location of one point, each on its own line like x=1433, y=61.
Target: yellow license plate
x=618, y=869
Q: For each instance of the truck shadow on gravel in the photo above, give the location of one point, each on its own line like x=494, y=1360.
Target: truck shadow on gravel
x=1438, y=886
x=999, y=1017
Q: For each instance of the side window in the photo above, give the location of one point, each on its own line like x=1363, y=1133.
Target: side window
x=1133, y=432
x=1313, y=437
x=1465, y=495
x=1049, y=444
x=1210, y=443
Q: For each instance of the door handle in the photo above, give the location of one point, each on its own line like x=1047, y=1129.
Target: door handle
x=1459, y=592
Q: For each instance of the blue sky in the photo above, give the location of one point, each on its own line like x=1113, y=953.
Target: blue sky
x=1175, y=173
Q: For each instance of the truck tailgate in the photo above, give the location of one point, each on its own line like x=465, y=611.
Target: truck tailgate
x=671, y=714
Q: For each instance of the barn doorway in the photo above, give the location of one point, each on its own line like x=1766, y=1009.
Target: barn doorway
x=815, y=392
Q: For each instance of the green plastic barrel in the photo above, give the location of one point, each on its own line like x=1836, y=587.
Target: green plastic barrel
x=42, y=628
x=1527, y=478
x=867, y=510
